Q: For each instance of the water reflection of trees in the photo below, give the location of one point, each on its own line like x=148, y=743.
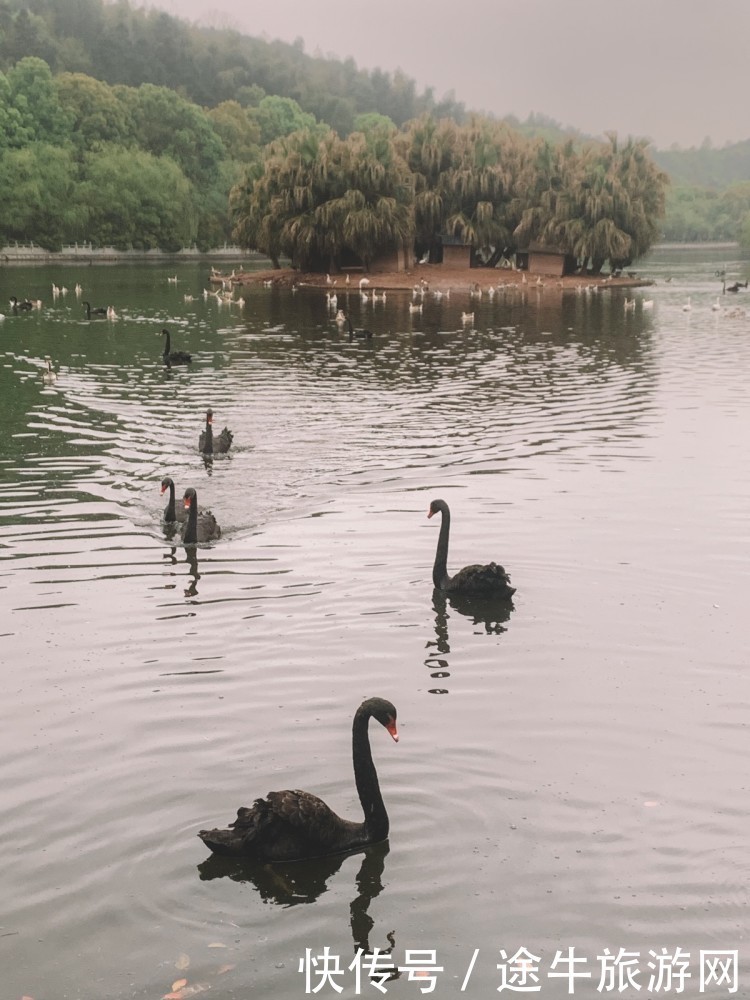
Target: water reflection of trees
x=492, y=615
x=305, y=881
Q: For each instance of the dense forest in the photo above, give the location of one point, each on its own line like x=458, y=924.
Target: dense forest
x=129, y=127
x=121, y=44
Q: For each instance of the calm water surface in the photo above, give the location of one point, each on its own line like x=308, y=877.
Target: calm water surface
x=572, y=772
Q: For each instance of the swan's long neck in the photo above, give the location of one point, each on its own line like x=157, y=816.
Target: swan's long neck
x=366, y=779
x=191, y=528
x=208, y=444
x=167, y=342
x=171, y=514
x=440, y=569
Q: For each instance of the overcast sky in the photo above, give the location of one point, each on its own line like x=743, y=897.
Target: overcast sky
x=675, y=71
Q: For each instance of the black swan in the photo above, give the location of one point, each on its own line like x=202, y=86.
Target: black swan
x=99, y=311
x=172, y=513
x=199, y=527
x=471, y=581
x=207, y=443
x=173, y=357
x=295, y=825
x=363, y=334
x=25, y=306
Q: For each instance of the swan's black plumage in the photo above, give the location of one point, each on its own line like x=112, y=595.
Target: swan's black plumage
x=362, y=334
x=201, y=526
x=208, y=444
x=24, y=306
x=171, y=512
x=490, y=581
x=293, y=825
x=99, y=311
x=173, y=357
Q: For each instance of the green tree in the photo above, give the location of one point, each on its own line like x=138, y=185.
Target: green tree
x=167, y=125
x=237, y=130
x=96, y=113
x=135, y=199
x=279, y=116
x=317, y=197
x=33, y=95
x=39, y=197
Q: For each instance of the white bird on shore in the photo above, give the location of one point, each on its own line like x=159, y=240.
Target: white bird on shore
x=362, y=282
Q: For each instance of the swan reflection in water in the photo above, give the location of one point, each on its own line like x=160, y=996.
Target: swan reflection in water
x=294, y=882
x=191, y=558
x=492, y=614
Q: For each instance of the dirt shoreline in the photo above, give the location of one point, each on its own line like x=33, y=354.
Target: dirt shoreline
x=437, y=277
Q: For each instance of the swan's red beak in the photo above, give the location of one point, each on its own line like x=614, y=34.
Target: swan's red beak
x=430, y=513
x=391, y=727
x=187, y=503
x=163, y=489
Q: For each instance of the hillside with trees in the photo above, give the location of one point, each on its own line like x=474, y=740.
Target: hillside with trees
x=183, y=135
x=117, y=43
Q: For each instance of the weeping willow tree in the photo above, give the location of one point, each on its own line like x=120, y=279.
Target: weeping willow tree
x=320, y=199
x=317, y=197
x=602, y=204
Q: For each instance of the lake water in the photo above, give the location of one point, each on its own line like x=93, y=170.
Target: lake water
x=571, y=771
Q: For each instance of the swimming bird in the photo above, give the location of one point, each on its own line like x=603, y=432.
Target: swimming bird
x=201, y=526
x=111, y=314
x=172, y=513
x=340, y=318
x=292, y=825
x=173, y=357
x=99, y=311
x=687, y=307
x=49, y=377
x=629, y=305
x=490, y=581
x=648, y=304
x=25, y=306
x=363, y=282
x=416, y=308
x=716, y=307
x=362, y=334
x=467, y=318
x=210, y=445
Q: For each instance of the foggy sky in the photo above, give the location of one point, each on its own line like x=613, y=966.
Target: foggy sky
x=675, y=71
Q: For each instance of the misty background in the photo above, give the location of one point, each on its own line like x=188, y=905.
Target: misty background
x=673, y=71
